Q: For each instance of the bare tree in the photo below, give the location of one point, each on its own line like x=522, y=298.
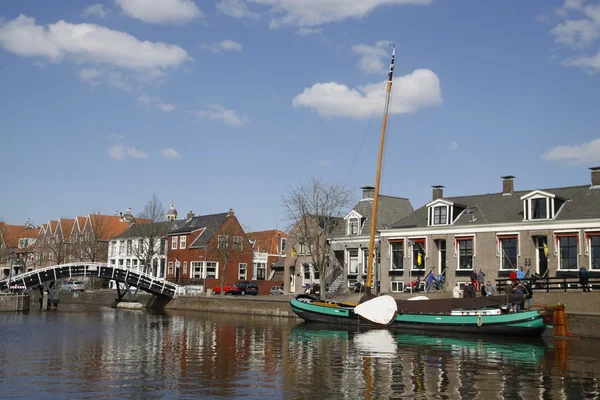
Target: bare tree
x=151, y=233
x=58, y=247
x=93, y=241
x=231, y=243
x=315, y=209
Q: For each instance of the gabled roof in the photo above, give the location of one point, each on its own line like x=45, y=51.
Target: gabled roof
x=209, y=223
x=12, y=233
x=106, y=227
x=137, y=230
x=66, y=227
x=496, y=208
x=267, y=241
x=390, y=210
x=52, y=225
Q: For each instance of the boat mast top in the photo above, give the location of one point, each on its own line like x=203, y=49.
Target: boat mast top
x=378, y=176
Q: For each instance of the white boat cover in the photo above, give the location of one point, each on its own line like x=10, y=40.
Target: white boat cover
x=377, y=343
x=419, y=298
x=379, y=310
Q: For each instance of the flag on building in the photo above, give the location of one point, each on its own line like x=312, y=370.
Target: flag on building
x=419, y=259
x=545, y=250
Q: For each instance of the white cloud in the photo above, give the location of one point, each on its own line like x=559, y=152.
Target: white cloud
x=589, y=63
x=324, y=163
x=39, y=64
x=170, y=153
x=161, y=12
x=88, y=43
x=220, y=113
x=302, y=31
x=309, y=13
x=410, y=93
x=372, y=57
x=454, y=145
x=237, y=9
x=151, y=102
x=120, y=150
x=113, y=78
x=224, y=45
x=136, y=153
x=96, y=10
x=577, y=33
x=584, y=153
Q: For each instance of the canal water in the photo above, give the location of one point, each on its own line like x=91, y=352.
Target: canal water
x=96, y=352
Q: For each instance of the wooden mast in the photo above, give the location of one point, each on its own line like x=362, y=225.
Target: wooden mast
x=378, y=177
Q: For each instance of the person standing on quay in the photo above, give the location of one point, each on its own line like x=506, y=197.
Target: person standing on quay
x=481, y=281
x=584, y=279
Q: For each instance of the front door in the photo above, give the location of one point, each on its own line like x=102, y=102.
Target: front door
x=442, y=250
x=542, y=255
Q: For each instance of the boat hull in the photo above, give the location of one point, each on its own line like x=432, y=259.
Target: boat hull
x=526, y=323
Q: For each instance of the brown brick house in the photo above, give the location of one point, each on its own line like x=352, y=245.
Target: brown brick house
x=17, y=243
x=551, y=232
x=269, y=254
x=208, y=250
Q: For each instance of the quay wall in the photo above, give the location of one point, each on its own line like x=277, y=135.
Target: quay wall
x=583, y=311
x=14, y=302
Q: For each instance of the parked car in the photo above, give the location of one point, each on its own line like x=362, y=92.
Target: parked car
x=276, y=291
x=74, y=286
x=247, y=287
x=228, y=288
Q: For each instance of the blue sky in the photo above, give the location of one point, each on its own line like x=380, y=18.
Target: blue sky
x=226, y=104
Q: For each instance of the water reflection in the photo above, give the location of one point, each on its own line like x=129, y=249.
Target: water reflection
x=94, y=352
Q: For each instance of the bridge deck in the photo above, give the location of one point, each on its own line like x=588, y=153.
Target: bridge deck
x=146, y=282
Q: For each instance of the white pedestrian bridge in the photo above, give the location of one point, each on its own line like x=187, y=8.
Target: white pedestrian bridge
x=57, y=273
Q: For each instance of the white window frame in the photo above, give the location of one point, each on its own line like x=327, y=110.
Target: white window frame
x=557, y=236
x=392, y=242
x=244, y=267
x=457, y=240
x=174, y=243
x=499, y=237
x=433, y=216
x=353, y=222
x=412, y=258
x=182, y=241
x=193, y=266
x=238, y=243
x=185, y=268
x=256, y=266
x=396, y=286
x=170, y=268
x=223, y=244
x=350, y=272
x=213, y=264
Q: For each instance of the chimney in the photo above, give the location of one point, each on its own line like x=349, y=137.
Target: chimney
x=438, y=192
x=368, y=192
x=190, y=215
x=508, y=185
x=230, y=213
x=595, y=176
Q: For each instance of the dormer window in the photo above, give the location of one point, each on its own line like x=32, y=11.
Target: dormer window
x=354, y=222
x=541, y=205
x=443, y=212
x=353, y=226
x=440, y=215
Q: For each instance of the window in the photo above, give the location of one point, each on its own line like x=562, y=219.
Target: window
x=223, y=241
x=418, y=254
x=121, y=263
x=397, y=286
x=353, y=261
x=465, y=253
x=182, y=242
x=242, y=271
x=212, y=270
x=568, y=252
x=440, y=215
x=122, y=248
x=353, y=226
x=162, y=246
x=306, y=270
x=128, y=263
x=539, y=209
x=595, y=252
x=113, y=248
x=283, y=245
x=135, y=262
x=174, y=243
x=197, y=267
x=170, y=268
x=113, y=263
x=237, y=243
x=260, y=271
x=140, y=245
x=365, y=264
x=304, y=248
x=129, y=244
x=508, y=248
x=185, y=268
x=397, y=249
x=23, y=242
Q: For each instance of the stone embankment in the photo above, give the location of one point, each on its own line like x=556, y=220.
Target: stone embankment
x=583, y=312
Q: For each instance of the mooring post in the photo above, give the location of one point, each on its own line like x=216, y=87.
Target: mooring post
x=44, y=301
